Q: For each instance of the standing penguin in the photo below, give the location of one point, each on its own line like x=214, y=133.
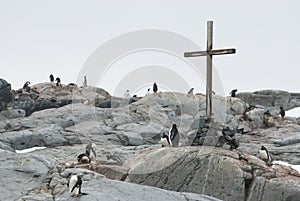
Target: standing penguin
x=282, y=112
x=90, y=150
x=57, y=81
x=74, y=185
x=155, y=87
x=264, y=155
x=126, y=94
x=84, y=82
x=148, y=91
x=165, y=142
x=232, y=93
x=26, y=85
x=51, y=78
x=191, y=91
x=174, y=136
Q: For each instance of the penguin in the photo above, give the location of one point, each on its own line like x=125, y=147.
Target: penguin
x=174, y=136
x=242, y=157
x=84, y=81
x=191, y=91
x=282, y=112
x=51, y=78
x=90, y=151
x=28, y=89
x=126, y=94
x=267, y=113
x=233, y=92
x=155, y=87
x=148, y=91
x=57, y=81
x=83, y=158
x=26, y=85
x=165, y=142
x=264, y=155
x=74, y=185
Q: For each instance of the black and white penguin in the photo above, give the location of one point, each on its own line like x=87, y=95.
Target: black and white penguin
x=155, y=87
x=57, y=81
x=126, y=94
x=74, y=185
x=83, y=158
x=174, y=136
x=26, y=85
x=148, y=91
x=84, y=81
x=233, y=92
x=28, y=89
x=51, y=78
x=191, y=91
x=165, y=142
x=90, y=151
x=282, y=112
x=264, y=155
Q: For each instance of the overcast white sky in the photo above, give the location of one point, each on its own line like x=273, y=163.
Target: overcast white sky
x=39, y=37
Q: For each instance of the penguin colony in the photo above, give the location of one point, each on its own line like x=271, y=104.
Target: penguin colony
x=171, y=139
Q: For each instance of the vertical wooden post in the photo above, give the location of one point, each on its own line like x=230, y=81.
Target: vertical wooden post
x=209, y=69
x=209, y=54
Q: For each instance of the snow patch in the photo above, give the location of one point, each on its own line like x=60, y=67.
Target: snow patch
x=23, y=151
x=295, y=167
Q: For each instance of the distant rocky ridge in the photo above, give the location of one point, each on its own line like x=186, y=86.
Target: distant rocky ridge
x=130, y=129
x=271, y=99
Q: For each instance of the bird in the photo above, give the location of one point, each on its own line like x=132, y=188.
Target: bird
x=264, y=155
x=84, y=81
x=90, y=151
x=75, y=183
x=51, y=78
x=174, y=136
x=148, y=91
x=155, y=87
x=242, y=157
x=57, y=81
x=126, y=94
x=191, y=91
x=282, y=112
x=232, y=93
x=165, y=142
x=28, y=89
x=26, y=85
x=83, y=158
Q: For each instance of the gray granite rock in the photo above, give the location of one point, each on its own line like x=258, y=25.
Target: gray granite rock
x=5, y=94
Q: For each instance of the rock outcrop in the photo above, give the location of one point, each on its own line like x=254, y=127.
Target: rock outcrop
x=5, y=94
x=64, y=119
x=271, y=99
x=211, y=171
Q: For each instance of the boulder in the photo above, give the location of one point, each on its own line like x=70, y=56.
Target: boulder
x=12, y=113
x=96, y=186
x=271, y=99
x=256, y=118
x=212, y=171
x=5, y=94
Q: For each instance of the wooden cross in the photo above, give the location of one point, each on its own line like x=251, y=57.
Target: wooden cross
x=209, y=53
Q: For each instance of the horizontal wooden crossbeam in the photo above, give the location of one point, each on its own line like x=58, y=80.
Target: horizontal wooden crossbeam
x=211, y=52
